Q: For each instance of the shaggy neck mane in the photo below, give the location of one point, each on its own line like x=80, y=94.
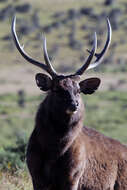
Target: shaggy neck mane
x=57, y=117
x=61, y=128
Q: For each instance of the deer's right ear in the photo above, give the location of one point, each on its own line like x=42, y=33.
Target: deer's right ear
x=43, y=81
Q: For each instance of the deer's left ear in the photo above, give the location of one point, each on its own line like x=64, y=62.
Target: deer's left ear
x=88, y=86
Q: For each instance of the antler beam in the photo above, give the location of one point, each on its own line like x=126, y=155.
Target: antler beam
x=100, y=55
x=90, y=57
x=48, y=67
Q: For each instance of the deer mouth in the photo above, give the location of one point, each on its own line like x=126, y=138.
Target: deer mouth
x=70, y=112
x=72, y=109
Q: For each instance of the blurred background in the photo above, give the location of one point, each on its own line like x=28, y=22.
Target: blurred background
x=69, y=26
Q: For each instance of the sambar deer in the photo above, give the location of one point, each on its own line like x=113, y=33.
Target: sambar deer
x=63, y=154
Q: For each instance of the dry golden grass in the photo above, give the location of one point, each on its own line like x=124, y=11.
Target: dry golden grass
x=18, y=181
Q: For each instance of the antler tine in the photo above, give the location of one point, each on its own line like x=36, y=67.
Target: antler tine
x=100, y=55
x=90, y=57
x=23, y=53
x=46, y=57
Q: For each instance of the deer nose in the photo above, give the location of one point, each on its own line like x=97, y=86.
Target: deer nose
x=73, y=106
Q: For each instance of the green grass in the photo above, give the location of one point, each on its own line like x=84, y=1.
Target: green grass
x=105, y=111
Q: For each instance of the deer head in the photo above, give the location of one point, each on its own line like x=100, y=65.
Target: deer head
x=66, y=89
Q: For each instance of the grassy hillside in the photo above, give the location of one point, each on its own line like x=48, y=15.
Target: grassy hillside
x=68, y=26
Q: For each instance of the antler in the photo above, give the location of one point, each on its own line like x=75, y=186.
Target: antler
x=48, y=67
x=90, y=57
x=99, y=56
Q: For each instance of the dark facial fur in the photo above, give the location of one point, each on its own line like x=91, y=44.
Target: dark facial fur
x=66, y=93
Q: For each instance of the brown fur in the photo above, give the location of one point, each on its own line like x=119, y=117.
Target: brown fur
x=64, y=155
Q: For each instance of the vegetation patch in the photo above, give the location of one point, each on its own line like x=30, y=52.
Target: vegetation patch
x=105, y=111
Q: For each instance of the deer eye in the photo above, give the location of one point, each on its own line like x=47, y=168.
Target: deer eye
x=77, y=91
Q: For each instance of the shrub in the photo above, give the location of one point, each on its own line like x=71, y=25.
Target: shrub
x=12, y=158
